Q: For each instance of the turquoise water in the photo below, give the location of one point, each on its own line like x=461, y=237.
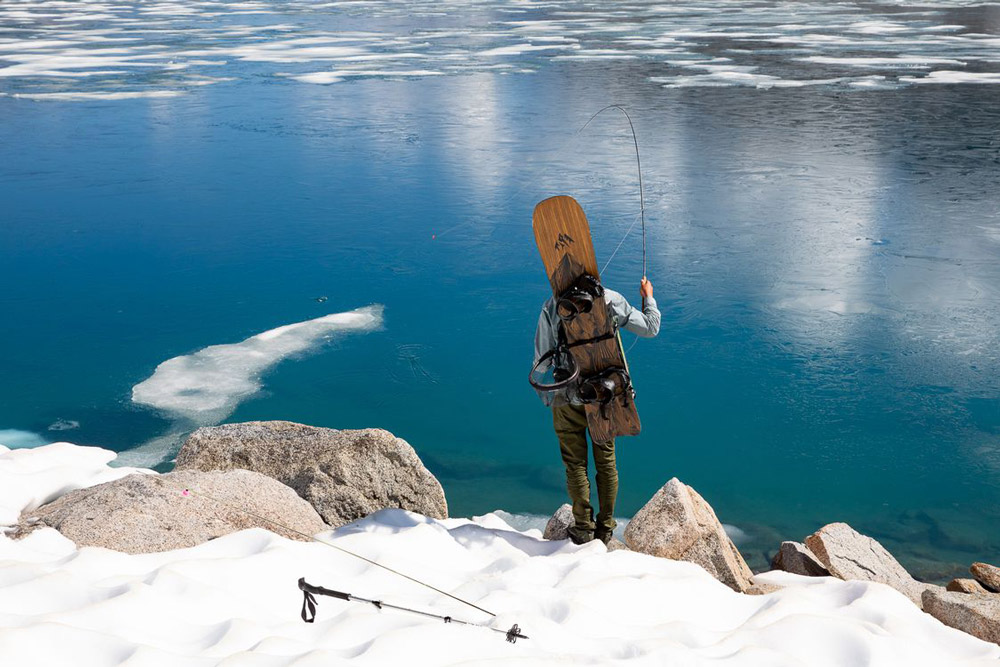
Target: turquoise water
x=823, y=234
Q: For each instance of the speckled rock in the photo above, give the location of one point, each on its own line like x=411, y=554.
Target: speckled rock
x=970, y=586
x=677, y=523
x=987, y=575
x=558, y=525
x=345, y=475
x=763, y=588
x=614, y=544
x=848, y=554
x=978, y=615
x=796, y=558
x=148, y=513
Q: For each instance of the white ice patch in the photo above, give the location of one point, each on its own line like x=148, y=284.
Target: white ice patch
x=63, y=425
x=203, y=388
x=17, y=439
x=206, y=386
x=100, y=95
x=336, y=76
x=60, y=605
x=66, y=51
x=948, y=76
x=901, y=61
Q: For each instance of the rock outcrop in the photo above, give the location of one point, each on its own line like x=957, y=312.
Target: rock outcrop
x=677, y=523
x=796, y=558
x=345, y=475
x=848, y=554
x=969, y=586
x=978, y=615
x=558, y=526
x=763, y=588
x=987, y=575
x=616, y=545
x=148, y=513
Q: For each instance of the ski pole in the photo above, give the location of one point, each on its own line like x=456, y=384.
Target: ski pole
x=309, y=609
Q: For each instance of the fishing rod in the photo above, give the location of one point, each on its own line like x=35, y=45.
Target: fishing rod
x=309, y=609
x=642, y=197
x=308, y=590
x=577, y=135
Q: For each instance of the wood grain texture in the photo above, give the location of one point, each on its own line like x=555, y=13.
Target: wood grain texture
x=563, y=236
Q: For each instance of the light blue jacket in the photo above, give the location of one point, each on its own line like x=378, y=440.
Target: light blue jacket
x=645, y=323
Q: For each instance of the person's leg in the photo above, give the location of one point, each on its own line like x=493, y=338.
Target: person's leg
x=570, y=422
x=607, y=488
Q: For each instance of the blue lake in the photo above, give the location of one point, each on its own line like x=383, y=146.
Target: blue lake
x=823, y=232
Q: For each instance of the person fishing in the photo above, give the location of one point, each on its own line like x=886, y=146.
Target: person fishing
x=569, y=416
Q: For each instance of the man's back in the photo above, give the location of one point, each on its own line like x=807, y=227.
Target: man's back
x=644, y=323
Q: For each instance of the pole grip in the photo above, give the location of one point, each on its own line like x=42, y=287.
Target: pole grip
x=319, y=590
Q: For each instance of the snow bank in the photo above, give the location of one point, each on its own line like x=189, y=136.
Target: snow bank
x=234, y=601
x=33, y=477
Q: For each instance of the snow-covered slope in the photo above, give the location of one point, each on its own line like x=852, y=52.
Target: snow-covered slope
x=234, y=600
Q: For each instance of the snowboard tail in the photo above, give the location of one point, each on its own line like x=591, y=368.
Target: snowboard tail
x=591, y=337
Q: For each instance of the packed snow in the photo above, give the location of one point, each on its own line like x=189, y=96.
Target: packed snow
x=234, y=600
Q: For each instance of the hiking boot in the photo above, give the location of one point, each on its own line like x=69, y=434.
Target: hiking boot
x=578, y=536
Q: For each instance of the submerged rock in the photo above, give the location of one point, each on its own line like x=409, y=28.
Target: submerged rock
x=149, y=513
x=970, y=586
x=848, y=554
x=796, y=558
x=558, y=526
x=987, y=575
x=677, y=523
x=978, y=615
x=345, y=475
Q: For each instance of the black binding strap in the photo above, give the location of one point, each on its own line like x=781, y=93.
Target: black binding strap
x=573, y=372
x=596, y=339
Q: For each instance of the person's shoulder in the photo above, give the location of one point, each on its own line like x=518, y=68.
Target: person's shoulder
x=612, y=294
x=549, y=306
x=615, y=298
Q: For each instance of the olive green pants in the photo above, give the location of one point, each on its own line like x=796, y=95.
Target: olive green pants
x=570, y=422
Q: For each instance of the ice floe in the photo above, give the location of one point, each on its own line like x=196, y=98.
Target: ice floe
x=208, y=384
x=59, y=51
x=204, y=387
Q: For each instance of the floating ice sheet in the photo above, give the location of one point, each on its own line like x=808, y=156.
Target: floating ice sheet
x=96, y=50
x=203, y=388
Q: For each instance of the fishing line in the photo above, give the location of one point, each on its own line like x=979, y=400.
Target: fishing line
x=566, y=146
x=638, y=166
x=189, y=492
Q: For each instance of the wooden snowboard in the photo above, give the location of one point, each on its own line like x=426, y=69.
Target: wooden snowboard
x=563, y=237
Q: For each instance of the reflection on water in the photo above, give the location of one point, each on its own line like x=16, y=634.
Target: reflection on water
x=825, y=255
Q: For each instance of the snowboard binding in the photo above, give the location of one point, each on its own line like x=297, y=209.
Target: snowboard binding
x=579, y=298
x=606, y=386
